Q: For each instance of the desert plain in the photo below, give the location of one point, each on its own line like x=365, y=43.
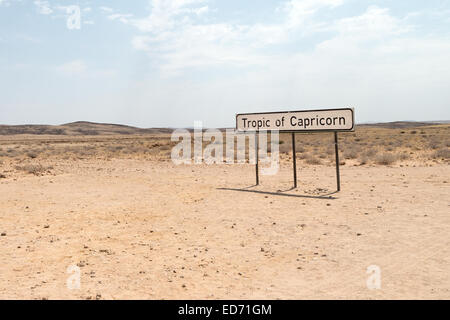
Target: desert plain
x=109, y=200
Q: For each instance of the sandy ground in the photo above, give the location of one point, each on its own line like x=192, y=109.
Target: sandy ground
x=152, y=230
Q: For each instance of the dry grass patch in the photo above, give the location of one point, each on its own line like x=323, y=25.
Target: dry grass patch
x=313, y=160
x=443, y=153
x=36, y=169
x=386, y=158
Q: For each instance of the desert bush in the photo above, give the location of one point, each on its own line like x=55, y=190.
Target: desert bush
x=403, y=156
x=443, y=153
x=35, y=169
x=370, y=152
x=363, y=160
x=302, y=155
x=351, y=154
x=434, y=144
x=386, y=158
x=285, y=148
x=329, y=151
x=165, y=147
x=313, y=160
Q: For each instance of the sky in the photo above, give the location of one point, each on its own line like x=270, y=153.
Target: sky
x=169, y=63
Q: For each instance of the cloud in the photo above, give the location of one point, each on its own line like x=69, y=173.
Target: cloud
x=7, y=3
x=298, y=11
x=121, y=17
x=106, y=9
x=176, y=37
x=43, y=7
x=375, y=22
x=73, y=68
x=79, y=68
x=166, y=14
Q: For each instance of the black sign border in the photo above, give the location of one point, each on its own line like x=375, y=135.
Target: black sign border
x=298, y=131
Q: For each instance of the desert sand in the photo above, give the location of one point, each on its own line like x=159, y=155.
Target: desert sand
x=140, y=227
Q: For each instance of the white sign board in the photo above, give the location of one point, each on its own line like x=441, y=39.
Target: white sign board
x=309, y=120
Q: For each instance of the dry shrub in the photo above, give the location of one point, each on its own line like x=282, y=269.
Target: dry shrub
x=404, y=156
x=329, y=151
x=285, y=148
x=434, y=144
x=299, y=149
x=363, y=160
x=313, y=160
x=386, y=158
x=442, y=154
x=351, y=154
x=165, y=147
x=303, y=155
x=35, y=169
x=370, y=153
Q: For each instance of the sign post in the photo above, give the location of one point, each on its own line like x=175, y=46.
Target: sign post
x=336, y=151
x=307, y=121
x=257, y=157
x=294, y=159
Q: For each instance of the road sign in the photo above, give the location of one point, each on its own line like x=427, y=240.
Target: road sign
x=328, y=120
x=296, y=121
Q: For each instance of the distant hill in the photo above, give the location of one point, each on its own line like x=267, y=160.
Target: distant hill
x=79, y=128
x=403, y=124
x=92, y=128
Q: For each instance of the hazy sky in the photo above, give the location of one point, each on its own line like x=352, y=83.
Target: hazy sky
x=166, y=63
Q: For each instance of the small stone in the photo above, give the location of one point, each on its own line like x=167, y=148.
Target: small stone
x=3, y=234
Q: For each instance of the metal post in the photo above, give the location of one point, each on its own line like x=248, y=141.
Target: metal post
x=336, y=149
x=257, y=157
x=294, y=159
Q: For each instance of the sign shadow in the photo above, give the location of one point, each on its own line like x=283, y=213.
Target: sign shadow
x=327, y=196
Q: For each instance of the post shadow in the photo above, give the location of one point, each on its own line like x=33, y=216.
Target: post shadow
x=322, y=197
